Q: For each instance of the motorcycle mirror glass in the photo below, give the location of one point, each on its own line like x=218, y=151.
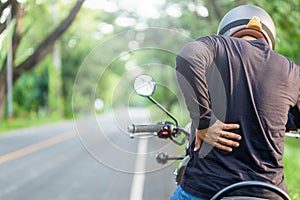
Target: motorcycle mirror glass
x=144, y=85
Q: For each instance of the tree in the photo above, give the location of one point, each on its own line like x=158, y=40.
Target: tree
x=191, y=18
x=44, y=47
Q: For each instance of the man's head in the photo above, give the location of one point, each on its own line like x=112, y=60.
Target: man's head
x=249, y=21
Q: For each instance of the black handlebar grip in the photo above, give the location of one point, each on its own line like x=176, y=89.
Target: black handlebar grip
x=145, y=128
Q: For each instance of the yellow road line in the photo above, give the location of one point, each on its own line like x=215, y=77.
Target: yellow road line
x=36, y=147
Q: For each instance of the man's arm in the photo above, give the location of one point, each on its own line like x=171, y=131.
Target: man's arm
x=191, y=64
x=290, y=125
x=295, y=116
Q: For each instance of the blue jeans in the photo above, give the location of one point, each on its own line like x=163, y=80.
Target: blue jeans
x=180, y=194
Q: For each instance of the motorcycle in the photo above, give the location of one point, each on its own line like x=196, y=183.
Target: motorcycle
x=145, y=86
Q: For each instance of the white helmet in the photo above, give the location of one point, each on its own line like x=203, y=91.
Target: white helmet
x=248, y=20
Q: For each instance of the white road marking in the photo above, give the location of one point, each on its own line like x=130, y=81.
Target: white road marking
x=137, y=187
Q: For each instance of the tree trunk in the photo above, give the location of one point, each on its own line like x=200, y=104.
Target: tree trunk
x=3, y=92
x=47, y=45
x=217, y=9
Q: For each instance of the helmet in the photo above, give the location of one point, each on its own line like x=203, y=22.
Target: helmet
x=248, y=20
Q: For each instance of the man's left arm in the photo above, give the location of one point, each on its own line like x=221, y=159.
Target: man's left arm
x=191, y=64
x=293, y=122
x=295, y=115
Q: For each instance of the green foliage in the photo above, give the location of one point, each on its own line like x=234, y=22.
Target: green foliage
x=26, y=121
x=30, y=93
x=35, y=26
x=85, y=34
x=286, y=18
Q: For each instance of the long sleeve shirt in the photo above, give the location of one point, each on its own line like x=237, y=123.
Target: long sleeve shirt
x=245, y=82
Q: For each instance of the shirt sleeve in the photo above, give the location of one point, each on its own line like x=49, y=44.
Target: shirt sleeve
x=290, y=125
x=191, y=64
x=295, y=112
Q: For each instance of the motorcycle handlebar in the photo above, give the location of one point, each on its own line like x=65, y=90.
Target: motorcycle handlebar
x=154, y=129
x=145, y=128
x=162, y=130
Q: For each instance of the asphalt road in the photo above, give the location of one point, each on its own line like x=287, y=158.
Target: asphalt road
x=85, y=159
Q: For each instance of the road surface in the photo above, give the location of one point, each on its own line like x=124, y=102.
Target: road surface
x=84, y=159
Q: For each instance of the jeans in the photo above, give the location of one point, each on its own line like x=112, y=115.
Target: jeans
x=180, y=194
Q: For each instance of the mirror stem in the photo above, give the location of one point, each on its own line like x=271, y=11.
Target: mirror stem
x=163, y=109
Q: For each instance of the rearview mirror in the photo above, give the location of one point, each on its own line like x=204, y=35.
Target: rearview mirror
x=144, y=85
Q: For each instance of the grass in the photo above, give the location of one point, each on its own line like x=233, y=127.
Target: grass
x=25, y=122
x=292, y=166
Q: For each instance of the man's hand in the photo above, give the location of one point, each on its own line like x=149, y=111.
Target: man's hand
x=219, y=136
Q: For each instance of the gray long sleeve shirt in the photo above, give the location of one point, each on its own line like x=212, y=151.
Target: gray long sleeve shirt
x=244, y=82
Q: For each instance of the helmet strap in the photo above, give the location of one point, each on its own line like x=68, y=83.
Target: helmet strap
x=249, y=32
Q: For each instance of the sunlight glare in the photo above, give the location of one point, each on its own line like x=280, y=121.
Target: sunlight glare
x=144, y=9
x=148, y=9
x=125, y=21
x=107, y=6
x=202, y=11
x=174, y=11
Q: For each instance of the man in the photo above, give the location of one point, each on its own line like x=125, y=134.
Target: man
x=239, y=93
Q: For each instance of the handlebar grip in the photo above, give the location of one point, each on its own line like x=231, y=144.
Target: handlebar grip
x=145, y=128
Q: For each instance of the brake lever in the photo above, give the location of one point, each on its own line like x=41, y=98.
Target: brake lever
x=177, y=142
x=178, y=132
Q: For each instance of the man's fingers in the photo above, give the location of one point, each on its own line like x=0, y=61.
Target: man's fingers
x=228, y=143
x=219, y=135
x=223, y=147
x=197, y=144
x=230, y=135
x=231, y=126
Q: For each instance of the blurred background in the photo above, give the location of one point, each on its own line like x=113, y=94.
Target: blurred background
x=64, y=60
